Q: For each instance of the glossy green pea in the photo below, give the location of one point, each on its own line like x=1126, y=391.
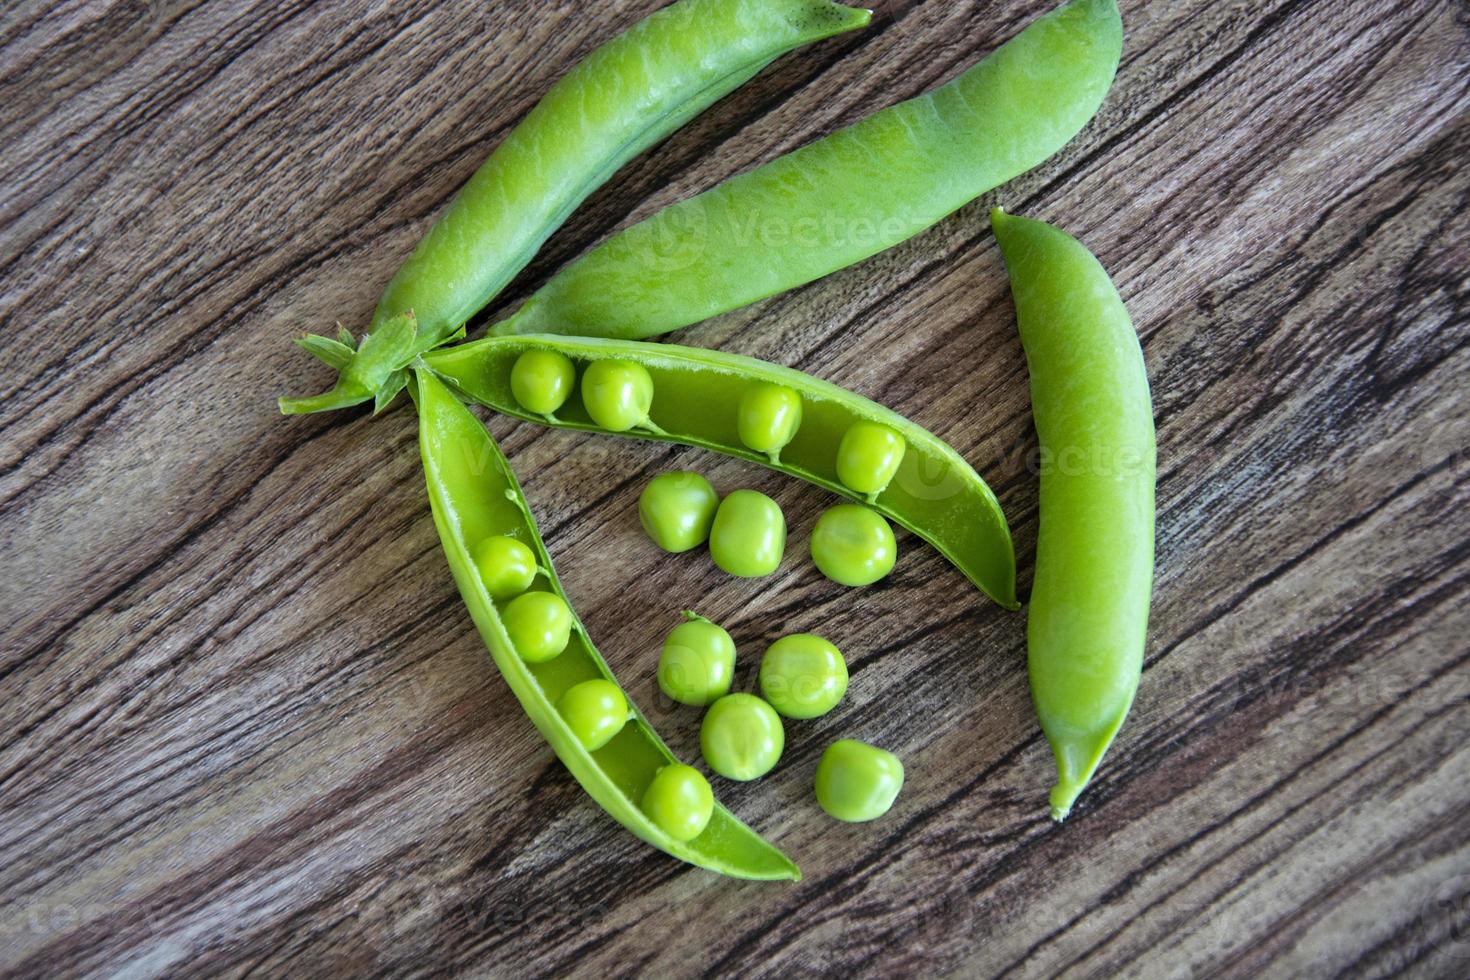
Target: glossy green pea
x=748, y=537
x=595, y=711
x=869, y=456
x=542, y=380
x=857, y=782
x=741, y=737
x=677, y=510
x=623, y=98
x=474, y=496
x=935, y=494
x=768, y=417
x=506, y=566
x=679, y=801
x=617, y=394
x=1088, y=620
x=844, y=197
x=697, y=663
x=539, y=624
x=853, y=545
x=803, y=675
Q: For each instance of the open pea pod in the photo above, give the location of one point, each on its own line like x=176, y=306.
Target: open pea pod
x=621, y=99
x=474, y=497
x=696, y=398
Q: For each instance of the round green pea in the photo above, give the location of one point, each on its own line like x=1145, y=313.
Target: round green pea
x=853, y=545
x=541, y=380
x=679, y=801
x=617, y=394
x=741, y=737
x=868, y=456
x=677, y=510
x=506, y=566
x=539, y=625
x=595, y=711
x=768, y=417
x=697, y=663
x=856, y=781
x=803, y=675
x=748, y=537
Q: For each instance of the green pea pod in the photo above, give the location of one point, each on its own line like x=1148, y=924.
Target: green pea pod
x=696, y=395
x=475, y=497
x=620, y=100
x=845, y=197
x=1095, y=546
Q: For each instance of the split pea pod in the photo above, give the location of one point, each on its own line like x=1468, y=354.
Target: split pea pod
x=570, y=694
x=803, y=427
x=1088, y=619
x=624, y=97
x=845, y=197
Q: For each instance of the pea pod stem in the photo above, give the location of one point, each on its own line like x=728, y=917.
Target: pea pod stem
x=845, y=197
x=624, y=97
x=1088, y=617
x=474, y=495
x=935, y=493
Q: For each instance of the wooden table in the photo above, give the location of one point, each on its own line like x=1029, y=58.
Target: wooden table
x=246, y=725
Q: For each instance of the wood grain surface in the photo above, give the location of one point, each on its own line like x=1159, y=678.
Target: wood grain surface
x=246, y=726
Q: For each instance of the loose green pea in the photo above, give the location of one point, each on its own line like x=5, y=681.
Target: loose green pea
x=539, y=625
x=677, y=510
x=856, y=781
x=741, y=737
x=697, y=663
x=868, y=457
x=617, y=394
x=803, y=675
x=506, y=566
x=595, y=711
x=679, y=801
x=748, y=537
x=542, y=380
x=768, y=418
x=853, y=545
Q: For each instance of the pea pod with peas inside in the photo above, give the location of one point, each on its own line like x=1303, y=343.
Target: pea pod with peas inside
x=697, y=398
x=1088, y=620
x=570, y=695
x=624, y=97
x=845, y=197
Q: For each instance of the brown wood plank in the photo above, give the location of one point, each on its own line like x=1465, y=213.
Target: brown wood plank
x=246, y=725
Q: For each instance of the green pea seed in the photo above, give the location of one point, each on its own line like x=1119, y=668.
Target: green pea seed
x=595, y=711
x=679, y=801
x=748, y=537
x=617, y=394
x=768, y=417
x=868, y=457
x=803, y=675
x=542, y=380
x=539, y=625
x=697, y=663
x=853, y=545
x=677, y=509
x=506, y=566
x=856, y=781
x=741, y=737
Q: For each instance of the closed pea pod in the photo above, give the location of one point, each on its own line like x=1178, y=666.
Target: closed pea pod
x=749, y=534
x=1088, y=618
x=860, y=189
x=623, y=98
x=934, y=492
x=474, y=496
x=769, y=415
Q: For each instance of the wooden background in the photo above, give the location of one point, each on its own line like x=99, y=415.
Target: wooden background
x=247, y=727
